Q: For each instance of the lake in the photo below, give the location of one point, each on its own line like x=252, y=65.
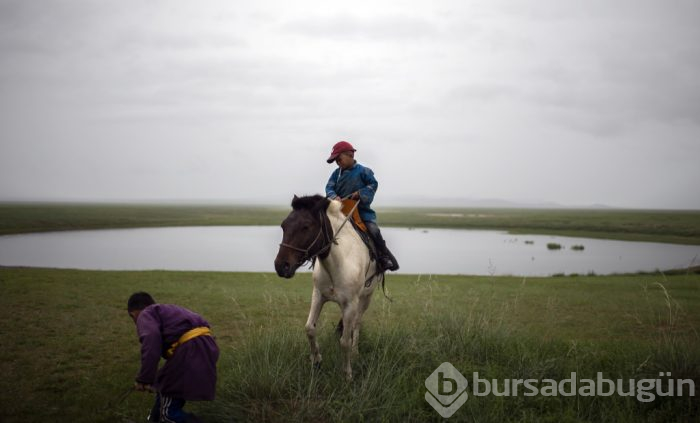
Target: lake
x=423, y=251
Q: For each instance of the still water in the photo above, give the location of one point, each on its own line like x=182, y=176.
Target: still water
x=253, y=249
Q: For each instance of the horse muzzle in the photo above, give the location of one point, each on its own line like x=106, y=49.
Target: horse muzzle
x=284, y=269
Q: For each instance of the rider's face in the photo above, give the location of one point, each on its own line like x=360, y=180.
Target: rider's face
x=345, y=160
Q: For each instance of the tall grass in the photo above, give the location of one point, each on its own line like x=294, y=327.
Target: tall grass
x=271, y=378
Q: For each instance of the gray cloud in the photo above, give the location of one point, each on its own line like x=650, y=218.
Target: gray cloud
x=168, y=99
x=376, y=29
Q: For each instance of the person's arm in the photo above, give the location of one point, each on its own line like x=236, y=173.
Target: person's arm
x=148, y=328
x=367, y=192
x=330, y=186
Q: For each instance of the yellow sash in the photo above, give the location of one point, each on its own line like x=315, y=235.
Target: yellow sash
x=192, y=333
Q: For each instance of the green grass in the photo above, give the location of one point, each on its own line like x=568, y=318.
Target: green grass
x=682, y=227
x=69, y=349
x=42, y=217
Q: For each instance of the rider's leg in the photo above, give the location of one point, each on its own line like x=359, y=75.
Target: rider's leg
x=386, y=258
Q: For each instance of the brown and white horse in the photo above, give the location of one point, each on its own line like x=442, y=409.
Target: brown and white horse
x=315, y=230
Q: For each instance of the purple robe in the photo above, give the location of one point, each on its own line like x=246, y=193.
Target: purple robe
x=191, y=372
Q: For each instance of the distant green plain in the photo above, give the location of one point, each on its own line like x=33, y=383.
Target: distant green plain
x=680, y=227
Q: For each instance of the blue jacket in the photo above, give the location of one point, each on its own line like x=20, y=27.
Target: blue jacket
x=342, y=183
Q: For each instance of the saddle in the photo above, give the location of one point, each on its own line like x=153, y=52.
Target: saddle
x=349, y=205
x=359, y=226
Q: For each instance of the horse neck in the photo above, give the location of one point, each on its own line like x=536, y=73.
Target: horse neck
x=341, y=231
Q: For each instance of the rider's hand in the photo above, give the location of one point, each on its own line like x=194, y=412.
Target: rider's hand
x=355, y=195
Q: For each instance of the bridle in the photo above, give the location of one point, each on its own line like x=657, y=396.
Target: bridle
x=329, y=237
x=323, y=251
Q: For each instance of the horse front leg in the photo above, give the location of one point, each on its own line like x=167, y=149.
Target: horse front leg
x=314, y=312
x=350, y=313
x=364, y=305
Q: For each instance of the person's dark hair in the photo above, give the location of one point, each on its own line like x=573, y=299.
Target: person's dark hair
x=139, y=301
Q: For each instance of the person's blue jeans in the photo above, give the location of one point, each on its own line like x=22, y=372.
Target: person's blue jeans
x=168, y=409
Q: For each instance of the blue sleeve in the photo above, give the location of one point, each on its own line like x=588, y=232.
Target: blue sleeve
x=370, y=186
x=330, y=186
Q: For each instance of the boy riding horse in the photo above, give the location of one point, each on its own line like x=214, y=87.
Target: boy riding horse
x=357, y=182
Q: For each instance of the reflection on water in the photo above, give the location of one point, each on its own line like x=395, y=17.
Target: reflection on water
x=253, y=249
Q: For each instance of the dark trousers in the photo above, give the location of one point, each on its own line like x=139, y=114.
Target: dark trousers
x=379, y=242
x=376, y=234
x=168, y=409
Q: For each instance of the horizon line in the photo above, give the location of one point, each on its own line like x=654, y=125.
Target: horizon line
x=491, y=203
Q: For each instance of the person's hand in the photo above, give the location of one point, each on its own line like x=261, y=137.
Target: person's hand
x=143, y=387
x=355, y=195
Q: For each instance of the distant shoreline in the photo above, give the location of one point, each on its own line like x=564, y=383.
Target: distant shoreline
x=668, y=226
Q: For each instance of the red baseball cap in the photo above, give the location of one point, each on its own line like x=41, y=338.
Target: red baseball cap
x=340, y=147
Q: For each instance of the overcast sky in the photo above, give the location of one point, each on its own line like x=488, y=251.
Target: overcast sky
x=573, y=102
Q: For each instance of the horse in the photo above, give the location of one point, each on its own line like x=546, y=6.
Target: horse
x=343, y=271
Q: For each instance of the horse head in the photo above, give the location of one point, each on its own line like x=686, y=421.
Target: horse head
x=303, y=234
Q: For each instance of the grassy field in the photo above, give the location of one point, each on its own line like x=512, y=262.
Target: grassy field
x=69, y=350
x=682, y=227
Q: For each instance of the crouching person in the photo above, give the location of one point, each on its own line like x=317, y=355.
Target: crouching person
x=184, y=339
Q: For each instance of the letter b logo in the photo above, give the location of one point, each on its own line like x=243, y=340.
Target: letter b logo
x=442, y=381
x=446, y=389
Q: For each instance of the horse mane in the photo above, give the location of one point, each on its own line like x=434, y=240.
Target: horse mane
x=309, y=202
x=316, y=202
